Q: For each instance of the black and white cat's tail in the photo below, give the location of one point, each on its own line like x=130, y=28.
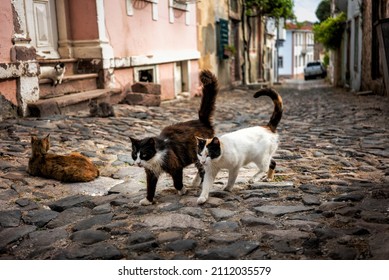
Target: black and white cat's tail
x=208, y=100
x=278, y=106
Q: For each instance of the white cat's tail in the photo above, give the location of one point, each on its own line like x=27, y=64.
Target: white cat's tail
x=278, y=106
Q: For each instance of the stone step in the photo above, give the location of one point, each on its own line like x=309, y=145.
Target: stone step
x=70, y=84
x=72, y=103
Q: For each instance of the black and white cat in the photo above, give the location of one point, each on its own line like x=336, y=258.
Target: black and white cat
x=55, y=74
x=175, y=147
x=237, y=149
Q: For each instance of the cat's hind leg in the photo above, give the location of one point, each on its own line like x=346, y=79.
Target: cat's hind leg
x=178, y=183
x=265, y=172
x=272, y=170
x=232, y=175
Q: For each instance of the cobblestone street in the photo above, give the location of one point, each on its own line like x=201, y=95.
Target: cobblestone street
x=329, y=200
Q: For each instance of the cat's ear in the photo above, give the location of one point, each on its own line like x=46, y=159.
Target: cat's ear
x=134, y=141
x=199, y=139
x=47, y=137
x=215, y=141
x=151, y=141
x=33, y=139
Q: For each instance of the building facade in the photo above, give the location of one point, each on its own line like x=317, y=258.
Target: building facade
x=362, y=62
x=231, y=43
x=351, y=47
x=104, y=44
x=297, y=50
x=375, y=52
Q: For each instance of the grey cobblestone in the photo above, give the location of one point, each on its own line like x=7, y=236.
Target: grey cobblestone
x=329, y=200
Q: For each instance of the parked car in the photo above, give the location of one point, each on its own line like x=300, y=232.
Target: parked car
x=314, y=69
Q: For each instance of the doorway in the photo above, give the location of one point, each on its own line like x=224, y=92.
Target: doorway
x=42, y=27
x=181, y=77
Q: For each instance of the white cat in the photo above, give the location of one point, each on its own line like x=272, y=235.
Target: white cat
x=55, y=73
x=236, y=149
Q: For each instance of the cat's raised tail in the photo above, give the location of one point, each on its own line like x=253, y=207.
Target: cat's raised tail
x=208, y=99
x=278, y=106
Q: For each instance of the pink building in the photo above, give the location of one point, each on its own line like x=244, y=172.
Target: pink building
x=107, y=45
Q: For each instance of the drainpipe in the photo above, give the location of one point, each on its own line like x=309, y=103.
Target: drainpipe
x=277, y=50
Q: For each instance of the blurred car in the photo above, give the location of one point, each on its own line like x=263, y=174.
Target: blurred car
x=314, y=69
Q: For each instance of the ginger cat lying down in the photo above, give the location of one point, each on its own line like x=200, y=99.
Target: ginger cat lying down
x=66, y=168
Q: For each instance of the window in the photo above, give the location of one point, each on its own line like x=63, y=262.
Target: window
x=145, y=74
x=180, y=5
x=280, y=62
x=130, y=8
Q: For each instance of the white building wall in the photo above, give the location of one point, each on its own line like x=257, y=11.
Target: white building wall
x=286, y=53
x=297, y=51
x=355, y=18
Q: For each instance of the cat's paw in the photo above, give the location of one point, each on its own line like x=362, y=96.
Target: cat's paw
x=266, y=179
x=201, y=200
x=227, y=188
x=182, y=191
x=145, y=202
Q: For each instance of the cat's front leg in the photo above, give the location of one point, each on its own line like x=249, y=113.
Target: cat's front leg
x=152, y=180
x=145, y=202
x=209, y=178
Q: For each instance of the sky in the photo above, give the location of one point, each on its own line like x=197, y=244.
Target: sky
x=305, y=10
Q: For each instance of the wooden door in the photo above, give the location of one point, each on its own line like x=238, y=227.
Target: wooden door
x=42, y=27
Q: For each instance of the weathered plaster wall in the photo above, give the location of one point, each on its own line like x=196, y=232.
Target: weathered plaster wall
x=148, y=37
x=6, y=30
x=194, y=77
x=7, y=83
x=166, y=72
x=207, y=35
x=8, y=90
x=124, y=77
x=208, y=13
x=139, y=34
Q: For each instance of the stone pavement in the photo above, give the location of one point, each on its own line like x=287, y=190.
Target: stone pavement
x=330, y=198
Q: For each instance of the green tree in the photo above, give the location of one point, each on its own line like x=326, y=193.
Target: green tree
x=271, y=8
x=330, y=31
x=323, y=10
x=257, y=8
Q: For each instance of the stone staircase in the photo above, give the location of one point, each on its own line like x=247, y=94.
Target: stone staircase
x=80, y=84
